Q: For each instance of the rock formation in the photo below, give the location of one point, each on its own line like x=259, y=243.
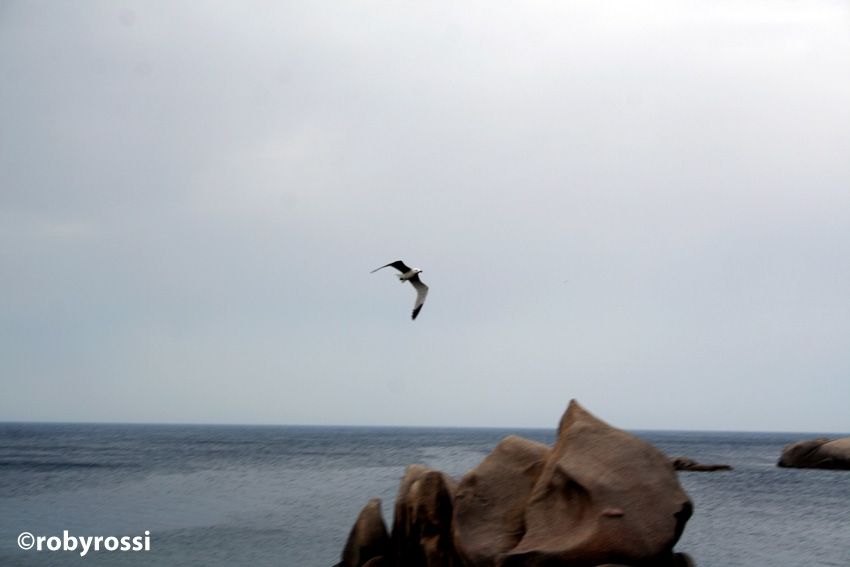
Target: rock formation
x=368, y=539
x=489, y=514
x=422, y=527
x=603, y=496
x=686, y=464
x=600, y=496
x=817, y=454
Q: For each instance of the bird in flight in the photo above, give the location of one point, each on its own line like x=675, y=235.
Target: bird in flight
x=411, y=275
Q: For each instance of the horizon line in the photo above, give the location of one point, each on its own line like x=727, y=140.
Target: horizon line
x=395, y=426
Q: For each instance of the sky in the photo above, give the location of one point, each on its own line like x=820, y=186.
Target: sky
x=643, y=206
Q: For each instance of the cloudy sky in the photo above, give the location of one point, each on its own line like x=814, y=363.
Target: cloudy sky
x=645, y=206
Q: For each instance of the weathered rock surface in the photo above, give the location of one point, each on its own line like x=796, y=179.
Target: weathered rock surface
x=489, y=513
x=817, y=454
x=686, y=464
x=368, y=539
x=603, y=496
x=422, y=527
x=600, y=496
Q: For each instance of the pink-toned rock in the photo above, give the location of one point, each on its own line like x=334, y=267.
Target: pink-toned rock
x=600, y=498
x=368, y=538
x=817, y=454
x=422, y=528
x=595, y=469
x=490, y=500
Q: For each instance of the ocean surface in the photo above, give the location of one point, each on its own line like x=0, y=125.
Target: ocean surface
x=287, y=496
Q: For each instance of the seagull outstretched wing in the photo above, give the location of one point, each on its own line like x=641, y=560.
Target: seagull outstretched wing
x=398, y=265
x=421, y=292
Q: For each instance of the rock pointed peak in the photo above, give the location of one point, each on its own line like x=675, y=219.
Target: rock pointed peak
x=577, y=414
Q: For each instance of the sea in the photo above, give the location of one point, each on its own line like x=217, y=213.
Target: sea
x=287, y=496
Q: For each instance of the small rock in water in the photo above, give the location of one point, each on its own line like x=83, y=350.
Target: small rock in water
x=686, y=464
x=817, y=454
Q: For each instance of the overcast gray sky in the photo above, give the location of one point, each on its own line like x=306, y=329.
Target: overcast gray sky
x=645, y=206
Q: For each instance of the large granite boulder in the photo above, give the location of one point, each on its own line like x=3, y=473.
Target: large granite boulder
x=368, y=538
x=817, y=454
x=600, y=496
x=489, y=511
x=603, y=496
x=422, y=527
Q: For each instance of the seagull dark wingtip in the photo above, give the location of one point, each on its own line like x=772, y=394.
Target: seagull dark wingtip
x=398, y=265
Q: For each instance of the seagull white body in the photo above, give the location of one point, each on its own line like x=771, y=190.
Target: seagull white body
x=411, y=275
x=408, y=275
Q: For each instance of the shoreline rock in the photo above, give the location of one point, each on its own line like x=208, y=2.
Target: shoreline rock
x=421, y=534
x=489, y=515
x=817, y=454
x=604, y=496
x=368, y=539
x=599, y=496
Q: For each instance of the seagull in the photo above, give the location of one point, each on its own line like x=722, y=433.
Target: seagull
x=411, y=275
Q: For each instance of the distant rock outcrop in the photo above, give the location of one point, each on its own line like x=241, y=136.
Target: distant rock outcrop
x=686, y=464
x=817, y=454
x=600, y=496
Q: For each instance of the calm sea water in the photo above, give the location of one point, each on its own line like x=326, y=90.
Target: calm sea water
x=287, y=496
